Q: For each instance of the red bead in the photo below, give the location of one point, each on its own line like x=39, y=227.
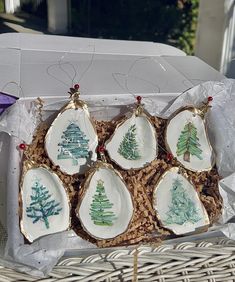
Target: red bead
x=76, y=86
x=139, y=98
x=101, y=149
x=22, y=146
x=210, y=98
x=169, y=156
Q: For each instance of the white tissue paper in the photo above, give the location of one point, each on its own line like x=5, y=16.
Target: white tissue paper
x=21, y=119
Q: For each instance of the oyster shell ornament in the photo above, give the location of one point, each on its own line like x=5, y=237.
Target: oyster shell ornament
x=134, y=142
x=187, y=140
x=177, y=203
x=71, y=140
x=105, y=208
x=45, y=207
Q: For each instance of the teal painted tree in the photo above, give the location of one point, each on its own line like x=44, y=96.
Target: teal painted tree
x=74, y=144
x=129, y=146
x=100, y=208
x=188, y=143
x=41, y=206
x=182, y=208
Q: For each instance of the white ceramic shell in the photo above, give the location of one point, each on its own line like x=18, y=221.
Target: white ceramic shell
x=56, y=192
x=188, y=219
x=176, y=125
x=116, y=194
x=145, y=137
x=63, y=157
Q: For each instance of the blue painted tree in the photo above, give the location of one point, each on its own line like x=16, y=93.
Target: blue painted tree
x=182, y=208
x=74, y=144
x=41, y=207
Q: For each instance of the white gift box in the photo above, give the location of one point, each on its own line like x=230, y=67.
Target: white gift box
x=109, y=72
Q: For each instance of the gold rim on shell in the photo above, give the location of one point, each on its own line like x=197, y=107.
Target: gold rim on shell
x=28, y=165
x=200, y=112
x=73, y=104
x=139, y=111
x=183, y=172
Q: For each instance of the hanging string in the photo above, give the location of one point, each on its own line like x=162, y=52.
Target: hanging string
x=73, y=76
x=60, y=64
x=131, y=68
x=15, y=83
x=129, y=75
x=89, y=64
x=67, y=73
x=135, y=265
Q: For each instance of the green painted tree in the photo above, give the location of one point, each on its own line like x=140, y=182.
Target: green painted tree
x=188, y=143
x=74, y=144
x=182, y=208
x=129, y=147
x=41, y=207
x=100, y=208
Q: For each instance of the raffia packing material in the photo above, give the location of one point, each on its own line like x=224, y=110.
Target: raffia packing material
x=140, y=182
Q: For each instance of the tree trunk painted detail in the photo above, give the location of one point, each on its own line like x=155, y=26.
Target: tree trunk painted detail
x=187, y=156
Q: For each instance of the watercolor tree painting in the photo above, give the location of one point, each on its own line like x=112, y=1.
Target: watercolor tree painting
x=100, y=210
x=42, y=206
x=188, y=143
x=129, y=146
x=74, y=144
x=182, y=208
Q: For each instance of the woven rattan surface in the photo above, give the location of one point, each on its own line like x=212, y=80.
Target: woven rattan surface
x=184, y=262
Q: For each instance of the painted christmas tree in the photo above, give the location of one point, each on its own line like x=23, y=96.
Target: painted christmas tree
x=188, y=143
x=100, y=208
x=41, y=207
x=129, y=147
x=74, y=144
x=182, y=208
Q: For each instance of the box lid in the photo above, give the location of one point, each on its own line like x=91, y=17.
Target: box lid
x=47, y=65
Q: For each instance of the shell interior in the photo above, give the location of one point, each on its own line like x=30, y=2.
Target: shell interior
x=187, y=139
x=106, y=209
x=134, y=143
x=45, y=204
x=178, y=205
x=71, y=141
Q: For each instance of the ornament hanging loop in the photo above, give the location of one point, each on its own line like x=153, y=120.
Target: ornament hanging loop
x=74, y=92
x=75, y=96
x=139, y=107
x=205, y=107
x=101, y=150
